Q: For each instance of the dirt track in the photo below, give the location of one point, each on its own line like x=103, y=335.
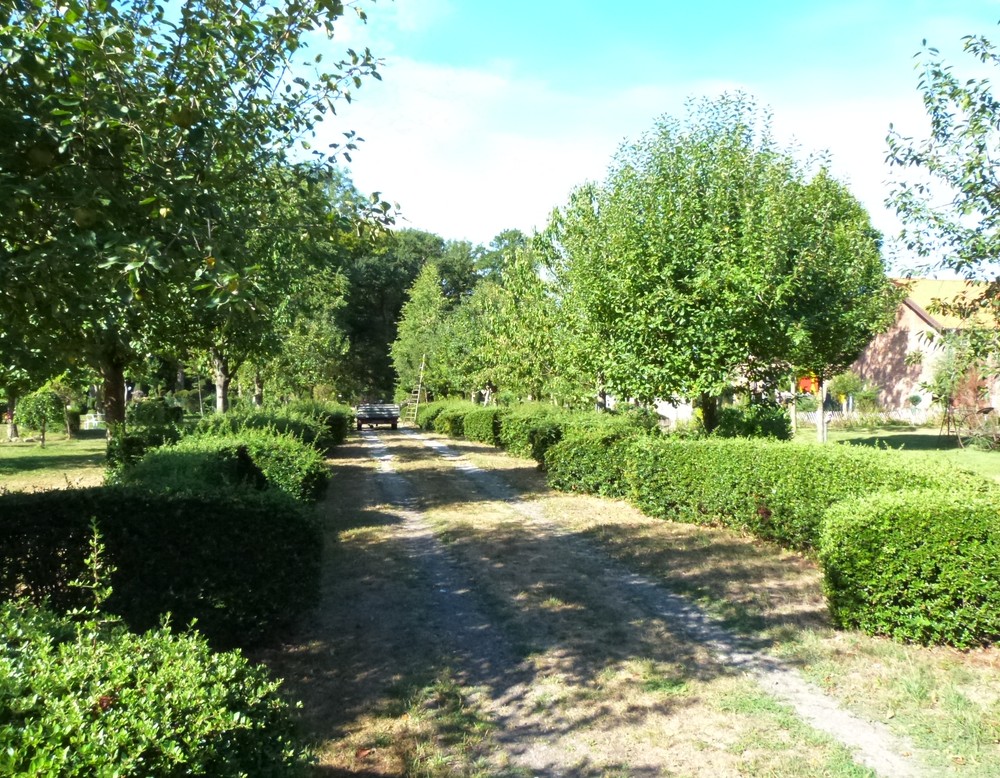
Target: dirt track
x=542, y=654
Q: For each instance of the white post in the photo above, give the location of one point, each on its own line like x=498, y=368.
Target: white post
x=821, y=419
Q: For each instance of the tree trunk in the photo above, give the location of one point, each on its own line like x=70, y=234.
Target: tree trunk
x=113, y=375
x=12, y=431
x=709, y=412
x=179, y=381
x=222, y=376
x=793, y=415
x=258, y=389
x=821, y=419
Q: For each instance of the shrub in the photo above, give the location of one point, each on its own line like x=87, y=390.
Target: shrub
x=774, y=489
x=153, y=412
x=39, y=411
x=77, y=700
x=483, y=425
x=337, y=419
x=245, y=564
x=282, y=422
x=451, y=420
x=148, y=424
x=528, y=430
x=255, y=458
x=755, y=420
x=920, y=566
x=593, y=453
x=428, y=412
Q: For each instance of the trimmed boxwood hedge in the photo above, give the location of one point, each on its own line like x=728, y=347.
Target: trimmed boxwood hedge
x=921, y=566
x=336, y=418
x=594, y=453
x=528, y=430
x=244, y=563
x=451, y=420
x=305, y=428
x=83, y=700
x=776, y=490
x=254, y=458
x=428, y=412
x=483, y=425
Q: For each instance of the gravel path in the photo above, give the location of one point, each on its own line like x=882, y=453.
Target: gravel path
x=487, y=659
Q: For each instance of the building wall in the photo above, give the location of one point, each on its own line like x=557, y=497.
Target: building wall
x=884, y=361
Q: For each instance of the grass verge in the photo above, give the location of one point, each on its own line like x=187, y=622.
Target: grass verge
x=947, y=702
x=63, y=462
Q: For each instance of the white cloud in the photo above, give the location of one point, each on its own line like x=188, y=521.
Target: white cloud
x=468, y=152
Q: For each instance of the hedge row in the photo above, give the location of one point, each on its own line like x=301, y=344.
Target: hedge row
x=907, y=550
x=527, y=430
x=921, y=566
x=254, y=458
x=213, y=530
x=83, y=700
x=243, y=563
x=776, y=490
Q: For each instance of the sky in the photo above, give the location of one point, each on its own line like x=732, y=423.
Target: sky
x=489, y=113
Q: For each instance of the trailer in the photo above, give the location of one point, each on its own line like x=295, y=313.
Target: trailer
x=374, y=414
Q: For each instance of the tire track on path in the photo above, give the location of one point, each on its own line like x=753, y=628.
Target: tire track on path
x=872, y=743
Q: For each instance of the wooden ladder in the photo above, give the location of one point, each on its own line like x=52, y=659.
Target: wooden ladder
x=413, y=402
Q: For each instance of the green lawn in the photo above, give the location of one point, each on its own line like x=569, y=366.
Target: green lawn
x=918, y=443
x=77, y=462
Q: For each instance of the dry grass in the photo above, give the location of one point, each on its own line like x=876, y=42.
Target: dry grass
x=608, y=683
x=946, y=701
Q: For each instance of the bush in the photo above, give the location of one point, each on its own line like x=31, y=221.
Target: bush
x=282, y=422
x=483, y=425
x=528, y=430
x=148, y=424
x=245, y=564
x=40, y=411
x=428, y=412
x=255, y=458
x=776, y=490
x=755, y=420
x=593, y=454
x=76, y=700
x=337, y=419
x=920, y=566
x=451, y=420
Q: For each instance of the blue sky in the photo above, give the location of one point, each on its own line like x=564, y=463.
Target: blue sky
x=490, y=112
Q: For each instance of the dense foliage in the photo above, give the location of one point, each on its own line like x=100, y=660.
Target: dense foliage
x=482, y=424
x=39, y=411
x=776, y=490
x=594, y=458
x=243, y=563
x=84, y=699
x=149, y=169
x=921, y=566
x=754, y=420
x=528, y=430
x=257, y=459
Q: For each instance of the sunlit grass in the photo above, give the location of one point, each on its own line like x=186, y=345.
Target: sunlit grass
x=927, y=444
x=63, y=462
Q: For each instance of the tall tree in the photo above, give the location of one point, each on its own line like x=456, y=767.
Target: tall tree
x=140, y=145
x=378, y=277
x=421, y=339
x=687, y=263
x=949, y=204
x=950, y=211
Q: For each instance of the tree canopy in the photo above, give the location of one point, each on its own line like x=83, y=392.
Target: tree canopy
x=710, y=257
x=146, y=157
